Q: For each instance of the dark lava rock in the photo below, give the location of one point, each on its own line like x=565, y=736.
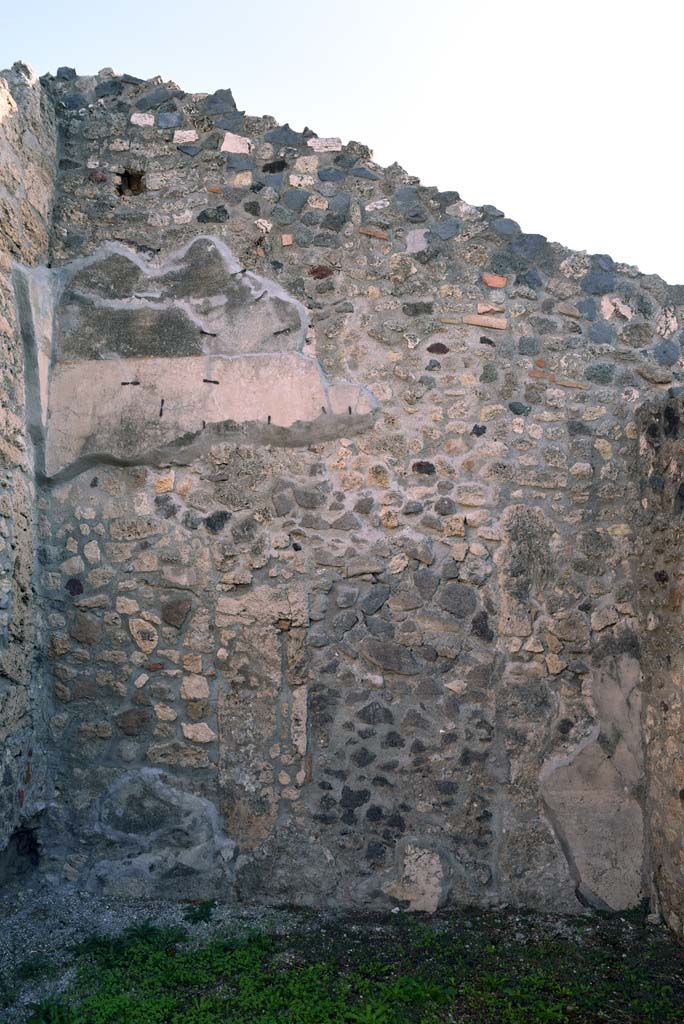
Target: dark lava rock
x=157, y=96
x=480, y=627
x=134, y=722
x=220, y=102
x=445, y=229
x=426, y=468
x=519, y=408
x=375, y=714
x=598, y=282
x=353, y=798
x=600, y=373
x=285, y=136
x=407, y=201
x=458, y=599
x=169, y=119
x=375, y=599
x=217, y=215
x=529, y=346
x=216, y=521
x=666, y=353
x=390, y=656
x=418, y=308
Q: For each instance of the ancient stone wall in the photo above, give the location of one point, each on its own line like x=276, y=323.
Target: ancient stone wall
x=27, y=169
x=660, y=547
x=343, y=491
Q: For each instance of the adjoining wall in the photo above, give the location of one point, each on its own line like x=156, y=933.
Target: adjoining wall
x=27, y=169
x=661, y=572
x=341, y=573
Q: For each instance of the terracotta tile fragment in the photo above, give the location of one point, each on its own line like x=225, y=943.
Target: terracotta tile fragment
x=494, y=323
x=374, y=233
x=494, y=280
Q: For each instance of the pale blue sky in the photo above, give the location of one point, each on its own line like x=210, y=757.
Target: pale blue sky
x=567, y=116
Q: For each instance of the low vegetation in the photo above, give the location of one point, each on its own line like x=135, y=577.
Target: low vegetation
x=470, y=968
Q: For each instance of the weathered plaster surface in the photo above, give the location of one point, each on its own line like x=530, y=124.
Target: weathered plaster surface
x=27, y=167
x=349, y=542
x=165, y=351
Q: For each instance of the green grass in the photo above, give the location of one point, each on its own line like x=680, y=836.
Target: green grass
x=200, y=913
x=470, y=968
x=39, y=965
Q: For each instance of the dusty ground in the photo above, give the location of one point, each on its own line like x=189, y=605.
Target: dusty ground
x=38, y=922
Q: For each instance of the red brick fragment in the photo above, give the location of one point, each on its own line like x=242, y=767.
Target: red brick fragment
x=494, y=280
x=374, y=233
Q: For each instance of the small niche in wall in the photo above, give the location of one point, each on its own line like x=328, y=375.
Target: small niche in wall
x=132, y=183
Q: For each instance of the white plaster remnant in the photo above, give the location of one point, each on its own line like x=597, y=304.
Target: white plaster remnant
x=280, y=388
x=252, y=367
x=331, y=145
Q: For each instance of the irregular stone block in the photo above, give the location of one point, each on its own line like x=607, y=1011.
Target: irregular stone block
x=390, y=656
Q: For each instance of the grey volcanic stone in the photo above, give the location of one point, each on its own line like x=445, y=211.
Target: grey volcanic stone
x=169, y=119
x=667, y=353
x=390, y=656
x=459, y=599
x=220, y=102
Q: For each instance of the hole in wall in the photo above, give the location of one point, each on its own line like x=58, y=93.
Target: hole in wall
x=21, y=855
x=132, y=183
x=274, y=166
